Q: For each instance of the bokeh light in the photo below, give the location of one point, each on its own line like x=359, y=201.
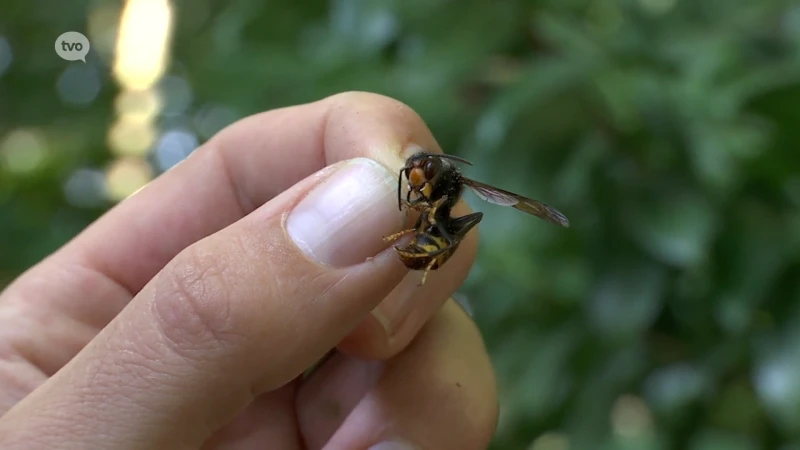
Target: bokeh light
x=142, y=106
x=777, y=382
x=176, y=95
x=142, y=53
x=129, y=136
x=79, y=84
x=143, y=43
x=551, y=441
x=174, y=146
x=86, y=188
x=630, y=417
x=125, y=176
x=23, y=151
x=673, y=387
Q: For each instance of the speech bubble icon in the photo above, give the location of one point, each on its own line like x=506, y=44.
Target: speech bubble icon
x=72, y=46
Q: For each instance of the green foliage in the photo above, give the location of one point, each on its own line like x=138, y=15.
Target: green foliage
x=666, y=130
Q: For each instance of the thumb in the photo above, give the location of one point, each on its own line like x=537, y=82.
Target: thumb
x=239, y=313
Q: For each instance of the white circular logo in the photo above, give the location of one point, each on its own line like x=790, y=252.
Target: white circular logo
x=72, y=46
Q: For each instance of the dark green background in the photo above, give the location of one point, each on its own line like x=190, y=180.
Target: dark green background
x=666, y=317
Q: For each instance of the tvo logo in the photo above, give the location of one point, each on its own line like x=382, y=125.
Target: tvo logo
x=72, y=46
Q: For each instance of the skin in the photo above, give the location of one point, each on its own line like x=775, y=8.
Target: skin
x=184, y=317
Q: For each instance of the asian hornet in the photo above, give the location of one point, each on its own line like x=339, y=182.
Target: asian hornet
x=436, y=185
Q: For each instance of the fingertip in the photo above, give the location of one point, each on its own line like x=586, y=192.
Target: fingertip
x=389, y=129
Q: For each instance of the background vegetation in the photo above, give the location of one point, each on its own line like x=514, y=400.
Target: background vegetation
x=667, y=131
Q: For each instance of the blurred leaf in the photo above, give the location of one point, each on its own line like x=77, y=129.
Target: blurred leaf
x=675, y=227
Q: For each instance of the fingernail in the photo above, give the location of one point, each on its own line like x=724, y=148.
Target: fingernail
x=394, y=445
x=343, y=220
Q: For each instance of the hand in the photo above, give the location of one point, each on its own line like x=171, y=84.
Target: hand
x=183, y=318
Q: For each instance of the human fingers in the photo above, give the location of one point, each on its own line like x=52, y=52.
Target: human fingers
x=239, y=313
x=85, y=284
x=439, y=393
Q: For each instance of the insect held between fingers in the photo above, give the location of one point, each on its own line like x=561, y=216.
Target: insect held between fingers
x=429, y=249
x=436, y=185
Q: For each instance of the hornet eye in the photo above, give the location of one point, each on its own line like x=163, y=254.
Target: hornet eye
x=431, y=168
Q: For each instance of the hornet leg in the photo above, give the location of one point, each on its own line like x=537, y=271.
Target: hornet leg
x=434, y=207
x=398, y=235
x=425, y=273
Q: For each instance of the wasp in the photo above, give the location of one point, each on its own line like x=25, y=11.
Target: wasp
x=432, y=245
x=436, y=184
